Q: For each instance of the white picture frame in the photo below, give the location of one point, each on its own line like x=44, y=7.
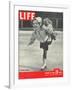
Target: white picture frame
x=13, y=27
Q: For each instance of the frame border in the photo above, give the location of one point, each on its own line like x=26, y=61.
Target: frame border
x=12, y=10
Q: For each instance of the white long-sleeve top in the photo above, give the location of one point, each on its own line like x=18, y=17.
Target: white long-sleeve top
x=49, y=28
x=41, y=34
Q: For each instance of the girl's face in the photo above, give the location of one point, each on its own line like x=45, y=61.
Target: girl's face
x=36, y=24
x=46, y=23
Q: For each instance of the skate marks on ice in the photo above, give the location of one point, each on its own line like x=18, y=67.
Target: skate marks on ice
x=30, y=57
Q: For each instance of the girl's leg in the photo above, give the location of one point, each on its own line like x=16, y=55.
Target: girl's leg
x=44, y=59
x=44, y=54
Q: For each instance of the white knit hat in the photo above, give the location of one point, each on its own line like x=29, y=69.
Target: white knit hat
x=39, y=19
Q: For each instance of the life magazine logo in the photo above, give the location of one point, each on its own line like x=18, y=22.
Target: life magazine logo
x=26, y=15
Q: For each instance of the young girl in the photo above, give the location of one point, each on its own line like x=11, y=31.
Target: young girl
x=47, y=25
x=42, y=34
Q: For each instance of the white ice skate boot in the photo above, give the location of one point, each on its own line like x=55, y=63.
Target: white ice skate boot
x=44, y=65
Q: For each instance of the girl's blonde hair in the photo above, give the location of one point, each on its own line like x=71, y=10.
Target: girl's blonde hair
x=47, y=20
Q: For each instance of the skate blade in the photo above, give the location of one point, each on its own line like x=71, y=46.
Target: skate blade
x=42, y=69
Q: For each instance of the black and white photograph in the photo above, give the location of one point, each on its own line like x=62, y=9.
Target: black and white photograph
x=40, y=41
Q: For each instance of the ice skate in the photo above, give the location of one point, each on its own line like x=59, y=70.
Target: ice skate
x=44, y=66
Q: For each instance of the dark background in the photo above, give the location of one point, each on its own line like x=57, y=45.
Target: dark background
x=56, y=17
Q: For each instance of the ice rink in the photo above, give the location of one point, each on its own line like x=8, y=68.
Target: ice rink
x=30, y=57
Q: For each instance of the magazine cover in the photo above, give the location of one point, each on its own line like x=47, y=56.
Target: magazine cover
x=40, y=44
